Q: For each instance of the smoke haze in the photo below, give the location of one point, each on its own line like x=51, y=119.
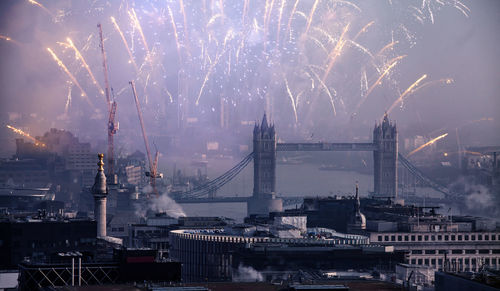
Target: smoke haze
x=245, y=59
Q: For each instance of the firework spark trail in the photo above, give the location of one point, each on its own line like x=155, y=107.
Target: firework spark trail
x=294, y=106
x=183, y=12
x=462, y=8
x=85, y=65
x=207, y=76
x=267, y=16
x=326, y=90
x=244, y=13
x=330, y=38
x=364, y=82
x=363, y=30
x=319, y=43
x=73, y=79
x=41, y=6
x=389, y=45
x=8, y=39
x=430, y=83
x=131, y=57
x=378, y=82
x=289, y=25
x=337, y=50
x=427, y=144
x=362, y=48
x=18, y=131
x=406, y=92
x=138, y=26
x=174, y=27
x=311, y=14
x=68, y=99
x=279, y=22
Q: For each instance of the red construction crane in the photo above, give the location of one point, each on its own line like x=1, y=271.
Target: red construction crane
x=111, y=106
x=153, y=165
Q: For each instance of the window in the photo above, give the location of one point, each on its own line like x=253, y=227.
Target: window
x=446, y=237
x=426, y=262
x=433, y=261
x=453, y=237
x=406, y=238
x=442, y=252
x=484, y=251
x=386, y=238
x=430, y=252
x=456, y=252
x=393, y=238
x=419, y=238
x=466, y=261
x=413, y=261
x=472, y=237
x=460, y=237
x=412, y=238
x=479, y=237
x=440, y=262
x=426, y=237
x=416, y=252
x=420, y=261
x=440, y=237
x=400, y=238
x=379, y=238
x=469, y=252
x=497, y=251
x=486, y=237
x=494, y=261
x=433, y=237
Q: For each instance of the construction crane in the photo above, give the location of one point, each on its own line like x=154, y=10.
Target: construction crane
x=153, y=165
x=111, y=106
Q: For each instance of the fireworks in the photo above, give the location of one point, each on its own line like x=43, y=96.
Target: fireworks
x=73, y=79
x=41, y=6
x=252, y=54
x=115, y=24
x=406, y=92
x=294, y=104
x=427, y=144
x=35, y=141
x=175, y=34
x=8, y=39
x=379, y=80
x=85, y=65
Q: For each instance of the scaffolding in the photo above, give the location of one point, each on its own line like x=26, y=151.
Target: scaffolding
x=37, y=276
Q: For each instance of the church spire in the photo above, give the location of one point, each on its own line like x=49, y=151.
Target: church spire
x=264, y=124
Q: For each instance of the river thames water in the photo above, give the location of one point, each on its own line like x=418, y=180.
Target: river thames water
x=292, y=180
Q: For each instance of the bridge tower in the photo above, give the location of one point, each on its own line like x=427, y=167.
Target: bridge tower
x=264, y=199
x=385, y=158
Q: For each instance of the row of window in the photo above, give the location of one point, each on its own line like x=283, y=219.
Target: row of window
x=440, y=237
x=459, y=261
x=455, y=252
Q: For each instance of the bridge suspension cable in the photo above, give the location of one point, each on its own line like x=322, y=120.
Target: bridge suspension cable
x=220, y=181
x=422, y=177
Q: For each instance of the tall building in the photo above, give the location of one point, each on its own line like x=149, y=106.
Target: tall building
x=264, y=199
x=385, y=158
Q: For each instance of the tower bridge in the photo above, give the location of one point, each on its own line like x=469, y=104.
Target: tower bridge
x=265, y=147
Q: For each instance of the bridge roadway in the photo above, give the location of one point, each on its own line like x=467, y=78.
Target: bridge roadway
x=244, y=199
x=325, y=146
x=294, y=200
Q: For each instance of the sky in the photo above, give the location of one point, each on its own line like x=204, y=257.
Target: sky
x=309, y=64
